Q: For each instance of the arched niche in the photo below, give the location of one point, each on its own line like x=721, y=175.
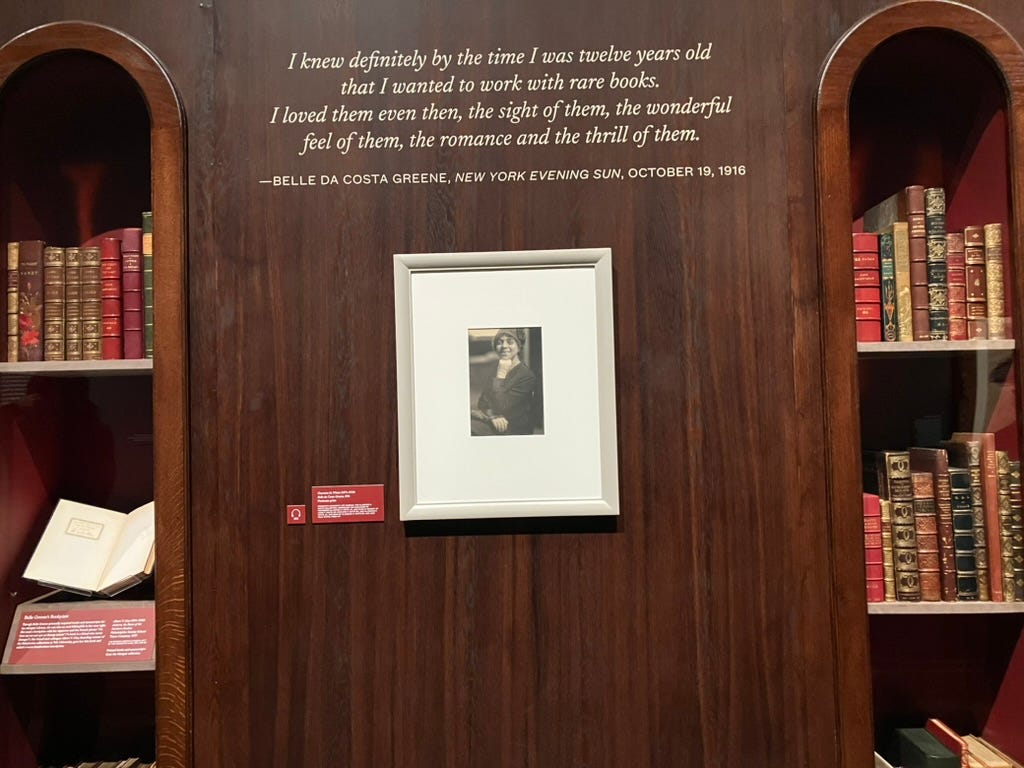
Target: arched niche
x=92, y=132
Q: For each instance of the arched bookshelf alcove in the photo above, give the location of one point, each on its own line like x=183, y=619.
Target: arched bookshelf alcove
x=927, y=93
x=92, y=133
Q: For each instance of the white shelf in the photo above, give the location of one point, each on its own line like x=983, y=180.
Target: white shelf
x=938, y=608
x=934, y=347
x=81, y=368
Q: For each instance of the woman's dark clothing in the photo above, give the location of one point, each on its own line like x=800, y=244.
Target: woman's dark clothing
x=511, y=397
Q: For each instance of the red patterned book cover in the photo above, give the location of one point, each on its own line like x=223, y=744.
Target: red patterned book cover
x=30, y=300
x=975, y=282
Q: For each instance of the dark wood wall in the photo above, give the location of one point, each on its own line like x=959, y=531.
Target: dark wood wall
x=698, y=628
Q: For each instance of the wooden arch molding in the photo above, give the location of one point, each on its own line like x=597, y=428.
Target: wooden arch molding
x=852, y=682
x=170, y=364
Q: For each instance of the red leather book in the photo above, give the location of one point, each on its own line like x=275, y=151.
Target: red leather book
x=110, y=291
x=926, y=530
x=956, y=274
x=873, y=559
x=131, y=293
x=30, y=300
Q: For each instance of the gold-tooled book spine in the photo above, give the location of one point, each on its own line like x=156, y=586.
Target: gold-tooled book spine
x=12, y=302
x=1005, y=525
x=73, y=304
x=888, y=569
x=1017, y=530
x=901, y=264
x=895, y=485
x=994, y=283
x=926, y=532
x=53, y=303
x=92, y=304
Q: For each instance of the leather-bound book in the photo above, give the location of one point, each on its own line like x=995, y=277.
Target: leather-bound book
x=1005, y=525
x=974, y=268
x=110, y=292
x=901, y=267
x=874, y=570
x=963, y=534
x=935, y=462
x=887, y=270
x=919, y=749
x=988, y=473
x=956, y=275
x=53, y=303
x=12, y=302
x=994, y=281
x=1017, y=530
x=926, y=533
x=935, y=242
x=72, y=304
x=894, y=484
x=132, y=293
x=30, y=300
x=92, y=303
x=147, y=282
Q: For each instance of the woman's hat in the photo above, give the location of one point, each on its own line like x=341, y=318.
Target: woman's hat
x=516, y=333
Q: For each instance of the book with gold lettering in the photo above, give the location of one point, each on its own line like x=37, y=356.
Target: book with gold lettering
x=87, y=549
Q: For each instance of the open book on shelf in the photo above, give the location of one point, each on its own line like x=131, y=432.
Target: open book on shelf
x=92, y=550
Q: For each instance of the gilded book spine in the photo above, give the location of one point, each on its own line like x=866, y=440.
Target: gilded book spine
x=935, y=234
x=873, y=548
x=1005, y=525
x=12, y=302
x=994, y=284
x=956, y=274
x=895, y=485
x=110, y=291
x=53, y=303
x=888, y=566
x=963, y=534
x=92, y=304
x=975, y=282
x=935, y=461
x=1017, y=530
x=131, y=294
x=73, y=303
x=926, y=532
x=887, y=266
x=901, y=266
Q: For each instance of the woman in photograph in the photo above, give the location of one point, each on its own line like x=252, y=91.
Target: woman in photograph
x=506, y=406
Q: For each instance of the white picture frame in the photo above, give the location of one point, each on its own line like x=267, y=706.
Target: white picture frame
x=561, y=462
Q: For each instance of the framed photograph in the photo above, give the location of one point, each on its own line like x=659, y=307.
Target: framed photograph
x=506, y=384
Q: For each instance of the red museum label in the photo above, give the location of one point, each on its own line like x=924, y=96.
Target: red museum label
x=348, y=503
x=85, y=635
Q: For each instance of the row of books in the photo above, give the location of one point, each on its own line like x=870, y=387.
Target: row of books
x=88, y=302
x=946, y=523
x=915, y=281
x=131, y=762
x=936, y=745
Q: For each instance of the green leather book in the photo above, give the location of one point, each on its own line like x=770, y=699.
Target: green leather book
x=919, y=749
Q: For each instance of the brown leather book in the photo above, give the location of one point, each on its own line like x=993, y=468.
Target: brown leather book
x=935, y=462
x=30, y=300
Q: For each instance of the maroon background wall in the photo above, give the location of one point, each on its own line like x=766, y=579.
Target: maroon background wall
x=697, y=628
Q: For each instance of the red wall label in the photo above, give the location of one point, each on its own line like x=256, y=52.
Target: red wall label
x=348, y=503
x=85, y=635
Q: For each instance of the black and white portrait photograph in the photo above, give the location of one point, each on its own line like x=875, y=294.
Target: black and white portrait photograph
x=505, y=381
x=505, y=369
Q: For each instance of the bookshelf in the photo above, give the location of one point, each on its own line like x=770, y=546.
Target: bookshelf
x=91, y=135
x=922, y=92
